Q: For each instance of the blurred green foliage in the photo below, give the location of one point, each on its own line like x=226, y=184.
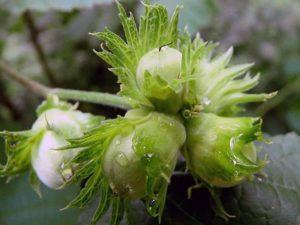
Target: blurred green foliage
x=266, y=32
x=20, y=205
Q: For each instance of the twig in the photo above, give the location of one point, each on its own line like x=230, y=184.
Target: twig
x=9, y=104
x=34, y=36
x=85, y=96
x=33, y=86
x=286, y=91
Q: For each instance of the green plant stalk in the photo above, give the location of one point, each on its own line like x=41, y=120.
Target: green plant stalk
x=92, y=97
x=66, y=94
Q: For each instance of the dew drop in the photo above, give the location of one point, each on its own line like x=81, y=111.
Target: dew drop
x=121, y=159
x=259, y=179
x=118, y=142
x=206, y=101
x=232, y=143
x=149, y=155
x=152, y=202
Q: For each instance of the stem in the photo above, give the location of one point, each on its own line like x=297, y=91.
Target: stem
x=85, y=96
x=33, y=86
x=34, y=36
x=92, y=97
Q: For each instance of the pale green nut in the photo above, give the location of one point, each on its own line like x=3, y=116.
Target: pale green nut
x=164, y=62
x=221, y=87
x=156, y=73
x=220, y=150
x=51, y=165
x=124, y=168
x=158, y=136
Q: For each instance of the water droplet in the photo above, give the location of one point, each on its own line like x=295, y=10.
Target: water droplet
x=232, y=143
x=118, y=142
x=152, y=202
x=259, y=179
x=206, y=101
x=122, y=160
x=149, y=155
x=62, y=166
x=171, y=124
x=234, y=162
